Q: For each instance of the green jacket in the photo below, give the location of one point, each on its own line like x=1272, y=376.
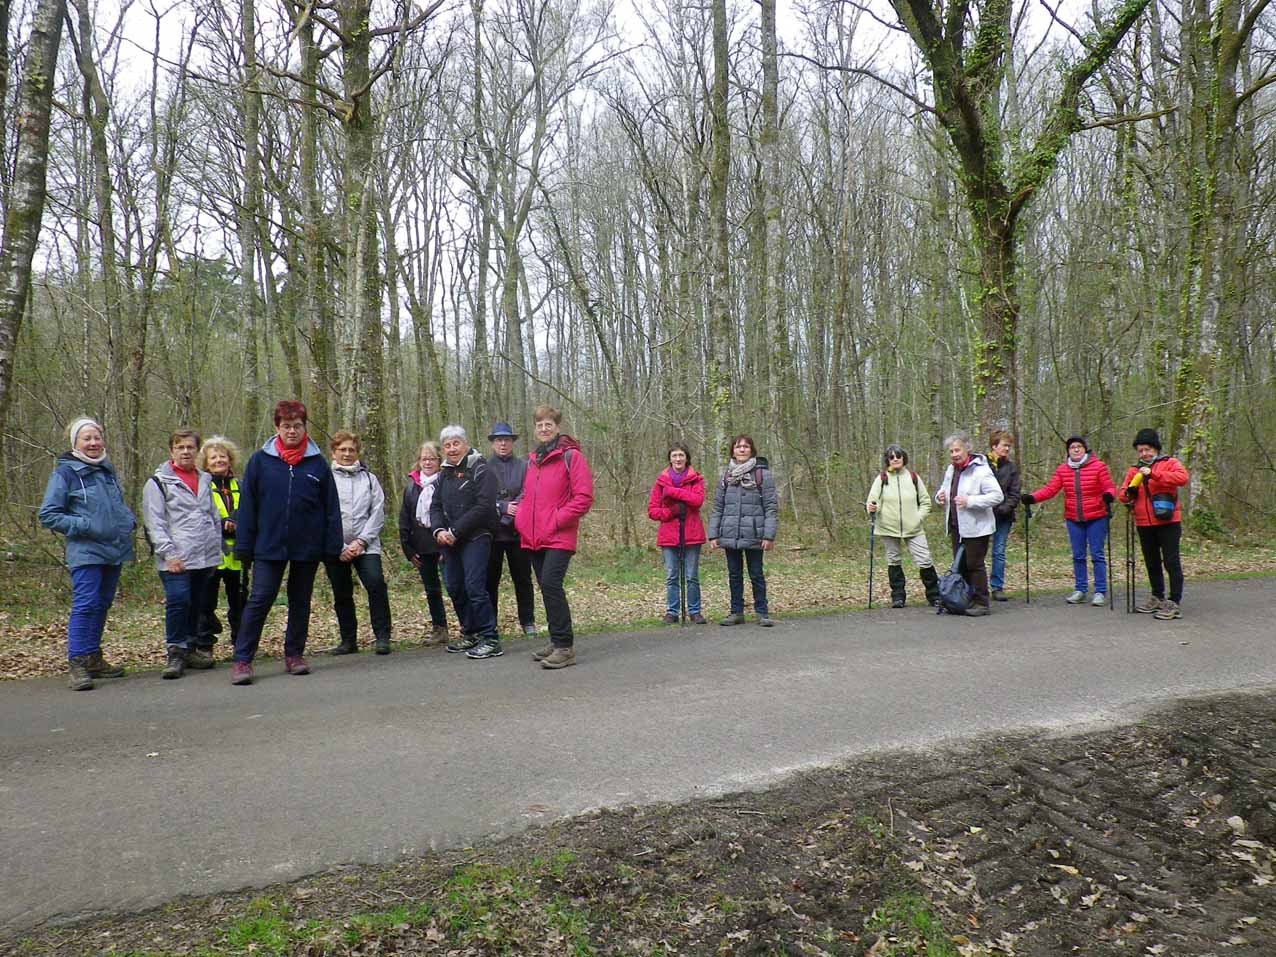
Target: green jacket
x=902, y=506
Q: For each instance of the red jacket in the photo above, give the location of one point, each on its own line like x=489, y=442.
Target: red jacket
x=1168, y=475
x=1092, y=479
x=556, y=497
x=667, y=500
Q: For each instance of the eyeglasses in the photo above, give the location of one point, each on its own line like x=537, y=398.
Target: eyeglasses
x=895, y=455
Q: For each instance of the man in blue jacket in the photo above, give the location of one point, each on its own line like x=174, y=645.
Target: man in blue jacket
x=289, y=518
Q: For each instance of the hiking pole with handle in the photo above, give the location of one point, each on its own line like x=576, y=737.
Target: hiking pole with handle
x=1027, y=552
x=682, y=564
x=1108, y=559
x=1132, y=489
x=872, y=540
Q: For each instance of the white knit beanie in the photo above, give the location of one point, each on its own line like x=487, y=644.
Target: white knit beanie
x=78, y=424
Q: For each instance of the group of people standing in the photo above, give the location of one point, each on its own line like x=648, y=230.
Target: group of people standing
x=464, y=518
x=981, y=492
x=210, y=529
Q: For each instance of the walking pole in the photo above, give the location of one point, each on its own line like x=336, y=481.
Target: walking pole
x=1108, y=558
x=1129, y=560
x=682, y=564
x=872, y=534
x=1027, y=552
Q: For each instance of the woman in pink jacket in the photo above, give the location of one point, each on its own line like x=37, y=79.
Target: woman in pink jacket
x=557, y=492
x=675, y=503
x=1088, y=494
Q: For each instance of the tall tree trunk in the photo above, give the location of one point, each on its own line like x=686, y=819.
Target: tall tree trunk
x=26, y=200
x=249, y=210
x=721, y=328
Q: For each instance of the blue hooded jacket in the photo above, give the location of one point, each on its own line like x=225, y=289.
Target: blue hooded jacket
x=288, y=513
x=84, y=503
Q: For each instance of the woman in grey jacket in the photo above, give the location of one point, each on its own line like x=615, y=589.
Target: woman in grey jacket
x=185, y=531
x=82, y=502
x=743, y=523
x=362, y=518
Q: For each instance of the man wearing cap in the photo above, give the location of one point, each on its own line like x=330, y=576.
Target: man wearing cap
x=506, y=547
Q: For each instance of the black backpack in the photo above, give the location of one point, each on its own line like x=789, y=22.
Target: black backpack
x=955, y=596
x=917, y=485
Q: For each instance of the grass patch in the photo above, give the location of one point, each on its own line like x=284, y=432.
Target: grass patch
x=907, y=926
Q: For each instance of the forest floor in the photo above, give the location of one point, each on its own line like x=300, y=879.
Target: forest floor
x=609, y=589
x=1157, y=838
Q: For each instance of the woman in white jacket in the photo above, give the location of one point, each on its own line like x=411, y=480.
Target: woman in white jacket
x=968, y=493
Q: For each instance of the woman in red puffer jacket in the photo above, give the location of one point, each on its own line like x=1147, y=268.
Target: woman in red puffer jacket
x=1151, y=489
x=1088, y=493
x=675, y=503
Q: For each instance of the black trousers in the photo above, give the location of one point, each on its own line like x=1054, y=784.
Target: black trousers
x=975, y=570
x=520, y=574
x=209, y=624
x=268, y=576
x=368, y=568
x=550, y=565
x=1160, y=545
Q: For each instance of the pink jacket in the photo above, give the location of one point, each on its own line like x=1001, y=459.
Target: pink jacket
x=1091, y=481
x=664, y=506
x=556, y=497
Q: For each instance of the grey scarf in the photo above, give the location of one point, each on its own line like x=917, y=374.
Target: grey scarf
x=741, y=473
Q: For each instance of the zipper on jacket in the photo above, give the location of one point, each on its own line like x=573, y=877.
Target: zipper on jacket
x=288, y=511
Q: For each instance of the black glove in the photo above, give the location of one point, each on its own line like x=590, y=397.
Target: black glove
x=1109, y=497
x=1027, y=499
x=1131, y=492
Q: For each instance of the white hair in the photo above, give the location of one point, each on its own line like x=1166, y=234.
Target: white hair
x=963, y=437
x=453, y=432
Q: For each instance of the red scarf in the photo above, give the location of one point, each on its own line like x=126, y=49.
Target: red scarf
x=292, y=456
x=188, y=476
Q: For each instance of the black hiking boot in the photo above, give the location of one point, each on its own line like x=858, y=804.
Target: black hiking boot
x=931, y=582
x=896, y=575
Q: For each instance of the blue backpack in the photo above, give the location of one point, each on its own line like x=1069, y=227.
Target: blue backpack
x=955, y=596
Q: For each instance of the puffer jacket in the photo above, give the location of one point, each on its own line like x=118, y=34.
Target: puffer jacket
x=83, y=502
x=669, y=502
x=1168, y=476
x=1082, y=488
x=415, y=538
x=902, y=505
x=181, y=523
x=286, y=512
x=980, y=487
x=465, y=499
x=743, y=518
x=510, y=473
x=1007, y=474
x=362, y=507
x=557, y=494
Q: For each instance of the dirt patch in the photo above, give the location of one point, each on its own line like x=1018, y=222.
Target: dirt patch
x=1153, y=839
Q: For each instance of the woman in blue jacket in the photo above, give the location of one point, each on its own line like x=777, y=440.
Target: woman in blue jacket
x=83, y=503
x=289, y=519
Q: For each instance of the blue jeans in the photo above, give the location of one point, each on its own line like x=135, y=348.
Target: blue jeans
x=736, y=559
x=999, y=538
x=673, y=600
x=92, y=592
x=465, y=574
x=1092, y=534
x=267, y=577
x=182, y=594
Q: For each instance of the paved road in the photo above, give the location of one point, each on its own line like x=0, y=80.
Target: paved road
x=144, y=789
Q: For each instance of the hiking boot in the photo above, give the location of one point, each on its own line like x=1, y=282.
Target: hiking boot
x=1150, y=605
x=898, y=589
x=463, y=644
x=1099, y=599
x=382, y=646
x=897, y=603
x=344, y=647
x=559, y=658
x=765, y=620
x=241, y=673
x=200, y=660
x=669, y=620
x=977, y=611
x=175, y=665
x=99, y=667
x=999, y=595
x=77, y=674
x=1169, y=610
x=697, y=619
x=1076, y=598
x=735, y=618
x=930, y=580
x=296, y=665
x=529, y=629
x=438, y=636
x=540, y=654
x=487, y=648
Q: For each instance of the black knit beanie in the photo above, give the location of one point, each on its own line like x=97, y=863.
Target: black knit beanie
x=1076, y=438
x=1148, y=437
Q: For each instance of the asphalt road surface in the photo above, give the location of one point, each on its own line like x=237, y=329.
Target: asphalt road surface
x=144, y=790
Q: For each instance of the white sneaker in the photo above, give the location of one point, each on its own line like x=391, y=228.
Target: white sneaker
x=1076, y=598
x=1099, y=600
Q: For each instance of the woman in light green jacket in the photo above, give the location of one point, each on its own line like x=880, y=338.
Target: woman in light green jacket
x=898, y=504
